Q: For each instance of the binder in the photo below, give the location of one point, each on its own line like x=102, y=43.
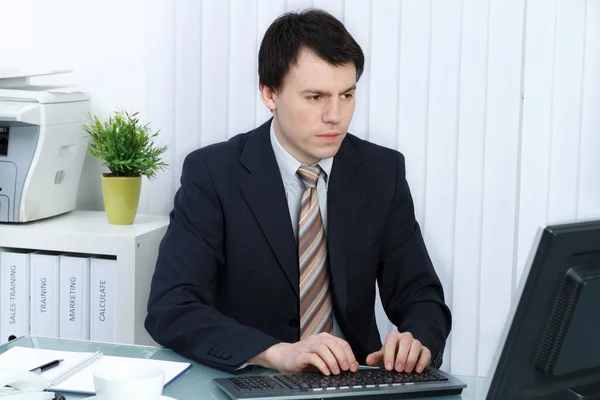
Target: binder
x=14, y=294
x=103, y=280
x=74, y=293
x=44, y=295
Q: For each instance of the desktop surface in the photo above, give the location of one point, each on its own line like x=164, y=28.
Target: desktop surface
x=197, y=383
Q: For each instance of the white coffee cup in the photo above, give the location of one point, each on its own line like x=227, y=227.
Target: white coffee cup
x=125, y=383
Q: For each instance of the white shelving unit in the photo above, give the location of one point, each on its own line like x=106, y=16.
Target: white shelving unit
x=88, y=232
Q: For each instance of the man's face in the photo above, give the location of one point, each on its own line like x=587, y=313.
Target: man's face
x=313, y=107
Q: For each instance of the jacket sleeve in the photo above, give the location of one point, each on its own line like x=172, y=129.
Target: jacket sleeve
x=182, y=313
x=410, y=289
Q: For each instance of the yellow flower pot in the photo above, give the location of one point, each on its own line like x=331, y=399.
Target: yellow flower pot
x=121, y=195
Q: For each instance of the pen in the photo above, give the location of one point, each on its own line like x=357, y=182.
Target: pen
x=46, y=366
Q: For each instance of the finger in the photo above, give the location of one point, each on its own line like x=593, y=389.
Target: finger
x=323, y=351
x=413, y=355
x=374, y=358
x=352, y=363
x=389, y=350
x=403, y=349
x=315, y=360
x=337, y=348
x=424, y=359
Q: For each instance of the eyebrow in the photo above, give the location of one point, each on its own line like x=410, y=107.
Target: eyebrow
x=322, y=92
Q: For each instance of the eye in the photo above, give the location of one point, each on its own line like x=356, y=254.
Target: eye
x=314, y=98
x=347, y=96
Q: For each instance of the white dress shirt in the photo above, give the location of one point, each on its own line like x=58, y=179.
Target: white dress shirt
x=294, y=188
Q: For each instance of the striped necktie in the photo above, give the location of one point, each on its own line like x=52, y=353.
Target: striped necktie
x=316, y=313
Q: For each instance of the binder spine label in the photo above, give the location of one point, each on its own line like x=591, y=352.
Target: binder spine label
x=43, y=295
x=12, y=299
x=72, y=299
x=102, y=302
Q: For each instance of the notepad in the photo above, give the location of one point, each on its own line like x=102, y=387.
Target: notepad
x=76, y=373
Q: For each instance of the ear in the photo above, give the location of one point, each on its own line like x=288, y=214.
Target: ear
x=268, y=97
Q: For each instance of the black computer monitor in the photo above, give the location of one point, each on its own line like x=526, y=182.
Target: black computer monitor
x=552, y=343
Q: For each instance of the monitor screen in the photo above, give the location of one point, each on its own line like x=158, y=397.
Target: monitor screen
x=551, y=348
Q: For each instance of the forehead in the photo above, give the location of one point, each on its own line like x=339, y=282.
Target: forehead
x=311, y=71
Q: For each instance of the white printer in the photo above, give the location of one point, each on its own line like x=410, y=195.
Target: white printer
x=42, y=147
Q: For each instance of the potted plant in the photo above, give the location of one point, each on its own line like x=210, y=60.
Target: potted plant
x=126, y=147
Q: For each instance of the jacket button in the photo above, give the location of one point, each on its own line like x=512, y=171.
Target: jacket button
x=226, y=356
x=294, y=323
x=209, y=351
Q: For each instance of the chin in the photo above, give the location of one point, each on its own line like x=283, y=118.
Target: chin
x=327, y=153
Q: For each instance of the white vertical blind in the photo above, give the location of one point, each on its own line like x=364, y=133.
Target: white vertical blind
x=413, y=100
x=565, y=136
x=469, y=186
x=243, y=77
x=188, y=84
x=537, y=123
x=494, y=104
x=383, y=80
x=161, y=95
x=500, y=172
x=356, y=12
x=589, y=172
x=441, y=140
x=214, y=121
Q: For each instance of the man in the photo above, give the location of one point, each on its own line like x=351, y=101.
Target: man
x=278, y=236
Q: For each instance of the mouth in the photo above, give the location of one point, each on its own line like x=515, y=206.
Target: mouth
x=329, y=136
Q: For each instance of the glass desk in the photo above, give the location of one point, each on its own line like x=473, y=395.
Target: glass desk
x=196, y=384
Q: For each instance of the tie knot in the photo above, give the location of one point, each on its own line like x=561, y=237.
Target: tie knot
x=309, y=175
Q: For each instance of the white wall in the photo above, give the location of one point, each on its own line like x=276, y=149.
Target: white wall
x=493, y=102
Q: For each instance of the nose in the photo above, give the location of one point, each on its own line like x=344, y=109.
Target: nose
x=333, y=112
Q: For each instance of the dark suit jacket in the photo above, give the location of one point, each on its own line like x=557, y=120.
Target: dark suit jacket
x=226, y=281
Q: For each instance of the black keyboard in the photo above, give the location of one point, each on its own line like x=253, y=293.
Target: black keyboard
x=316, y=380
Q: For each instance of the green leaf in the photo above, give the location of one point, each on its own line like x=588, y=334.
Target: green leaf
x=124, y=145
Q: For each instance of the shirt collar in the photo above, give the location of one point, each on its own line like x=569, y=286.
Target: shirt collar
x=288, y=165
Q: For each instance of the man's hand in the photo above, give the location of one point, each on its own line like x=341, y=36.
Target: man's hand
x=401, y=352
x=329, y=354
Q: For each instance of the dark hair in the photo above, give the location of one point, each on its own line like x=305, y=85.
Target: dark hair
x=311, y=29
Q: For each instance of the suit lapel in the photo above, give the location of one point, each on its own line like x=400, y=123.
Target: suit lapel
x=263, y=190
x=345, y=197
